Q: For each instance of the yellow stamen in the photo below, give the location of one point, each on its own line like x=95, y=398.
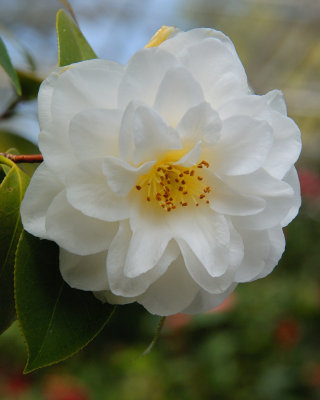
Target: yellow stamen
x=162, y=185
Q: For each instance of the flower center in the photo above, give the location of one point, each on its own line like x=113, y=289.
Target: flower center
x=171, y=186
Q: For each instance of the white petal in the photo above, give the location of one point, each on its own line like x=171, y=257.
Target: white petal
x=200, y=122
x=208, y=236
x=178, y=92
x=126, y=136
x=287, y=138
x=84, y=272
x=256, y=251
x=121, y=176
x=277, y=246
x=172, y=292
x=87, y=191
x=213, y=64
x=152, y=136
x=145, y=250
x=109, y=297
x=286, y=148
x=259, y=183
x=143, y=75
x=43, y=188
x=181, y=40
x=225, y=89
x=190, y=158
x=85, y=85
x=249, y=105
x=275, y=211
x=45, y=97
x=225, y=200
x=276, y=101
x=144, y=135
x=205, y=301
x=76, y=232
x=94, y=133
x=293, y=180
x=244, y=145
x=199, y=273
x=98, y=201
x=88, y=84
x=57, y=151
x=120, y=284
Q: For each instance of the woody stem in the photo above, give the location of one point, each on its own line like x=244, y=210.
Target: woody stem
x=23, y=158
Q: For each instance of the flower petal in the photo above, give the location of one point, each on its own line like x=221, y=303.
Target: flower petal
x=257, y=248
x=120, y=283
x=190, y=158
x=84, y=272
x=94, y=133
x=57, y=151
x=275, y=210
x=213, y=64
x=275, y=99
x=293, y=180
x=85, y=85
x=172, y=292
x=206, y=301
x=121, y=176
x=286, y=148
x=143, y=75
x=144, y=135
x=200, y=275
x=146, y=248
x=244, y=145
x=182, y=40
x=200, y=122
x=225, y=200
x=74, y=231
x=178, y=92
x=69, y=90
x=277, y=246
x=259, y=183
x=287, y=137
x=87, y=191
x=43, y=188
x=152, y=136
x=208, y=236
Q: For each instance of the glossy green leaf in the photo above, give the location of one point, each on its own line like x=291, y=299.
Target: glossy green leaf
x=56, y=321
x=73, y=46
x=30, y=84
x=12, y=189
x=6, y=64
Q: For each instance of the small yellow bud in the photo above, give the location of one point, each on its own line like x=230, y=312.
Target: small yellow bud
x=161, y=35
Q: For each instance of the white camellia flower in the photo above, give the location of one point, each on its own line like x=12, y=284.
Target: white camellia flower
x=167, y=181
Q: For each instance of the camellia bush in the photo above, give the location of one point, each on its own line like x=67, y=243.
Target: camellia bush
x=166, y=182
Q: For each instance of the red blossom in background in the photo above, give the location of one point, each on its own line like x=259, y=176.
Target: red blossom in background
x=310, y=183
x=288, y=333
x=16, y=385
x=64, y=388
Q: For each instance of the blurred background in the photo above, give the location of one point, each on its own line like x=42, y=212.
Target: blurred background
x=263, y=342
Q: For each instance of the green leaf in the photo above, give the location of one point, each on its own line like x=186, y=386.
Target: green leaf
x=73, y=47
x=56, y=321
x=30, y=84
x=12, y=189
x=8, y=67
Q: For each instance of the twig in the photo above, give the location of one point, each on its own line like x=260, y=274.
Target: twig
x=23, y=158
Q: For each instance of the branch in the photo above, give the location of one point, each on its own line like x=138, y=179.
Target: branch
x=23, y=158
